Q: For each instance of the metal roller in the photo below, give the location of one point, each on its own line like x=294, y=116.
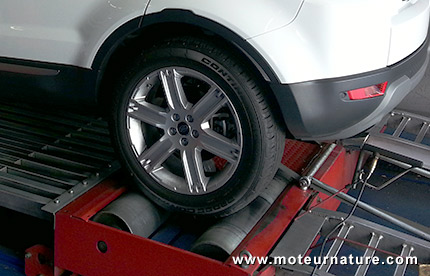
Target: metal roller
x=220, y=240
x=133, y=213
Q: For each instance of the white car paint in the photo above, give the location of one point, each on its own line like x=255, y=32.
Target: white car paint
x=320, y=39
x=62, y=31
x=247, y=19
x=302, y=40
x=409, y=29
x=335, y=42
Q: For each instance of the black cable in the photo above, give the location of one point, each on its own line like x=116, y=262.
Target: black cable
x=351, y=212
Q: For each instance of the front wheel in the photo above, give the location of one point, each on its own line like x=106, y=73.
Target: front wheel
x=193, y=127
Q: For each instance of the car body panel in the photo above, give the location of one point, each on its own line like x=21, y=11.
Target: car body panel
x=322, y=111
x=63, y=32
x=336, y=38
x=257, y=18
x=409, y=29
x=301, y=43
x=301, y=40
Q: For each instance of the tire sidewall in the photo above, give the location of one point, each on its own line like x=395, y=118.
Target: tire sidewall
x=242, y=184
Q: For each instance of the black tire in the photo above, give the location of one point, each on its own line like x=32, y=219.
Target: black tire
x=242, y=124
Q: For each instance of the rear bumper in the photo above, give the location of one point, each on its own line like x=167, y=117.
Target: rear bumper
x=318, y=110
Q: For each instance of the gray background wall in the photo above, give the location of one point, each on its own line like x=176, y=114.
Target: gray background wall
x=418, y=101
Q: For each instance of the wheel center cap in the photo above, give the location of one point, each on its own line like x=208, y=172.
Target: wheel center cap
x=183, y=128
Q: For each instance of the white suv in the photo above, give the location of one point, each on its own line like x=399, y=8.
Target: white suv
x=201, y=93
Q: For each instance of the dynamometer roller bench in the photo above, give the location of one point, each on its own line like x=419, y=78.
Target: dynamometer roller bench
x=60, y=167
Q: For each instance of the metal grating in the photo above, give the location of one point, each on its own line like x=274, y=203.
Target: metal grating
x=402, y=136
x=48, y=158
x=368, y=238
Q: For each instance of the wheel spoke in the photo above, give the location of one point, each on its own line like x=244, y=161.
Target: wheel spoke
x=173, y=89
x=150, y=82
x=148, y=113
x=197, y=130
x=220, y=146
x=209, y=104
x=194, y=172
x=153, y=157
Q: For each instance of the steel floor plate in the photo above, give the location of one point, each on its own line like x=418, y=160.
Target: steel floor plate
x=49, y=158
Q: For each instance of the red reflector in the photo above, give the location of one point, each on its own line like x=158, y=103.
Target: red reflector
x=368, y=92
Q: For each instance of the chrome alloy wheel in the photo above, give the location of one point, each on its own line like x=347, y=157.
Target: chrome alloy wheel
x=184, y=130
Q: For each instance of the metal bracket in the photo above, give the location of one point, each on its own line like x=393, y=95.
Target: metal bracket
x=305, y=180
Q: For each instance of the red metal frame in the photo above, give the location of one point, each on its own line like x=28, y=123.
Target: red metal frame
x=262, y=238
x=39, y=261
x=76, y=236
x=337, y=171
x=76, y=239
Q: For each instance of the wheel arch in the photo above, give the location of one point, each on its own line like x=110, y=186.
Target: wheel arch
x=140, y=32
